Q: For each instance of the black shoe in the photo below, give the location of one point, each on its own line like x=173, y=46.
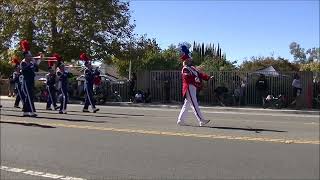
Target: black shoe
x=85, y=110
x=26, y=114
x=15, y=106
x=33, y=115
x=49, y=109
x=56, y=107
x=60, y=112
x=204, y=122
x=95, y=110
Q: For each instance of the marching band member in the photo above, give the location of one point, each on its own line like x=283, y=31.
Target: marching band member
x=51, y=80
x=18, y=82
x=191, y=79
x=58, y=59
x=88, y=84
x=28, y=68
x=51, y=88
x=63, y=84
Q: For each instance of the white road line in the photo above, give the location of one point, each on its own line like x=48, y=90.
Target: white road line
x=39, y=173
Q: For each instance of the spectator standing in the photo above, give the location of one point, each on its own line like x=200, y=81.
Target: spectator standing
x=296, y=87
x=262, y=89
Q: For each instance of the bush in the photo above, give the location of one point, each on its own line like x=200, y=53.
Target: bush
x=312, y=66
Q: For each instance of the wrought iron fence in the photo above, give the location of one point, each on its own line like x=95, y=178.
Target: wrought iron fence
x=166, y=86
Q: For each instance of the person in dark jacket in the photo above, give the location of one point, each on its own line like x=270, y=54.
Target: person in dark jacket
x=28, y=69
x=90, y=74
x=51, y=88
x=11, y=86
x=132, y=87
x=262, y=89
x=63, y=84
x=17, y=81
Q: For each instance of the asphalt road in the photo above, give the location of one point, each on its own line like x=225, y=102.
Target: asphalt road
x=145, y=143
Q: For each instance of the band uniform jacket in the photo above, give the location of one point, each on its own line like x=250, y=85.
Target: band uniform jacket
x=190, y=75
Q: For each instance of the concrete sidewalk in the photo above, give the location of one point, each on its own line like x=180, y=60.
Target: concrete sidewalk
x=208, y=108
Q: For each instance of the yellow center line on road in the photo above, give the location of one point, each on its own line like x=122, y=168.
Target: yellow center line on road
x=168, y=133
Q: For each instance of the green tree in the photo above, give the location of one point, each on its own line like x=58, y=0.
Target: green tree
x=140, y=51
x=256, y=63
x=313, y=54
x=171, y=59
x=201, y=52
x=212, y=64
x=6, y=69
x=303, y=56
x=68, y=27
x=145, y=54
x=312, y=66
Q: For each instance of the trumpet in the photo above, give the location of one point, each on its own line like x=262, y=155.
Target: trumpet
x=43, y=58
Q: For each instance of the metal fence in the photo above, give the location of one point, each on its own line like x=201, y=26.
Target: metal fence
x=122, y=89
x=112, y=91
x=165, y=85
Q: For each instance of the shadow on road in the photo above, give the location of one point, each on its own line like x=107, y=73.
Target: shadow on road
x=80, y=113
x=113, y=113
x=256, y=130
x=27, y=124
x=58, y=118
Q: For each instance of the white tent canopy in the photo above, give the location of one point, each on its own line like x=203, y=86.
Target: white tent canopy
x=269, y=71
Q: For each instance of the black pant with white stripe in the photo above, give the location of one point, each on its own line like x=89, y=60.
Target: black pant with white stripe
x=89, y=97
x=64, y=99
x=19, y=97
x=52, y=97
x=28, y=103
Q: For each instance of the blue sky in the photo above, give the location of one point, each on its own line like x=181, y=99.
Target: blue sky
x=243, y=28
